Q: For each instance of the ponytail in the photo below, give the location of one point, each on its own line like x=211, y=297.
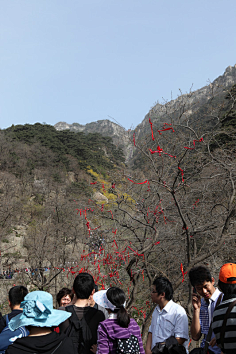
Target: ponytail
x=117, y=297
x=123, y=318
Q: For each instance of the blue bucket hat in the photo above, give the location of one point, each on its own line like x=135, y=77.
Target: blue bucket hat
x=38, y=312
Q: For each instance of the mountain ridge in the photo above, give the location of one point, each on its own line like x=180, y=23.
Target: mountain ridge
x=192, y=101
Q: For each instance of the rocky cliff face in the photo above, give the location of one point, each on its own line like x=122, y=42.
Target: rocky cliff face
x=120, y=137
x=192, y=102
x=161, y=113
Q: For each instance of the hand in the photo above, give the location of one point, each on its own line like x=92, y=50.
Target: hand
x=94, y=348
x=213, y=342
x=148, y=351
x=196, y=301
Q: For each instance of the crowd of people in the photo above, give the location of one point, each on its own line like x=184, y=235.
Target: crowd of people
x=91, y=321
x=9, y=273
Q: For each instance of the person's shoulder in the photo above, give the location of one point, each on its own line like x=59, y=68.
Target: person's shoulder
x=225, y=304
x=133, y=323
x=106, y=323
x=62, y=308
x=2, y=323
x=177, y=308
x=14, y=313
x=95, y=314
x=97, y=311
x=3, y=318
x=132, y=320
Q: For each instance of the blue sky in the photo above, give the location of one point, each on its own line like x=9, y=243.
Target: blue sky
x=82, y=61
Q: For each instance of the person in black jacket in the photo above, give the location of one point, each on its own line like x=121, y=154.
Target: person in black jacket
x=83, y=316
x=39, y=318
x=15, y=297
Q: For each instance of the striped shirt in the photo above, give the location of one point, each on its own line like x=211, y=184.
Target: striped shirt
x=230, y=330
x=206, y=313
x=109, y=331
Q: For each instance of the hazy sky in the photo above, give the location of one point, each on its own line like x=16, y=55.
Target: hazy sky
x=82, y=61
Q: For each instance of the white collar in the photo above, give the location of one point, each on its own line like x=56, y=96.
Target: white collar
x=166, y=308
x=112, y=316
x=215, y=295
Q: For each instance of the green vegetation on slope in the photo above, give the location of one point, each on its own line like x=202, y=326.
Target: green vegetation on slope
x=92, y=150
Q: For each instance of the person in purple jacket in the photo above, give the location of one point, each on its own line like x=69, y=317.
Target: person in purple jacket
x=118, y=325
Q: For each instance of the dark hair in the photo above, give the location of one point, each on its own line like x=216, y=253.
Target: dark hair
x=163, y=285
x=16, y=294
x=117, y=297
x=199, y=274
x=83, y=285
x=63, y=292
x=227, y=289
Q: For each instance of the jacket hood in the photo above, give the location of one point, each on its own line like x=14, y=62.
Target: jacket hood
x=37, y=344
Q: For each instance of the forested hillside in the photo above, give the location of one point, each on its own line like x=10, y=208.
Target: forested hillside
x=92, y=150
x=69, y=204
x=46, y=176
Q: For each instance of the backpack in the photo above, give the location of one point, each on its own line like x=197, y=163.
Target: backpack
x=7, y=336
x=170, y=346
x=79, y=330
x=128, y=345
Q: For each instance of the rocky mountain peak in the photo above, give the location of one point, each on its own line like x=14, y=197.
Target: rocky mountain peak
x=105, y=127
x=193, y=100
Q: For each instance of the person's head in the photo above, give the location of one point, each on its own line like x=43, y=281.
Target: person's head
x=16, y=296
x=64, y=297
x=83, y=286
x=113, y=300
x=162, y=290
x=227, y=280
x=201, y=279
x=38, y=312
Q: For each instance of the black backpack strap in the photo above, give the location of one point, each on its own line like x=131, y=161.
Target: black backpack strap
x=76, y=324
x=69, y=308
x=223, y=328
x=74, y=317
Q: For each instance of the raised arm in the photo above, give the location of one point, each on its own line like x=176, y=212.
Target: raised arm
x=195, y=325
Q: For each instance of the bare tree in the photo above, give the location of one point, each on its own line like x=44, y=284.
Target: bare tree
x=180, y=210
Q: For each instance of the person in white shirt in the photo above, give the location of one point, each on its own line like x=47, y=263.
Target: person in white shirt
x=168, y=319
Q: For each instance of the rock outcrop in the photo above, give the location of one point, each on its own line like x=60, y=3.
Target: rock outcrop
x=192, y=101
